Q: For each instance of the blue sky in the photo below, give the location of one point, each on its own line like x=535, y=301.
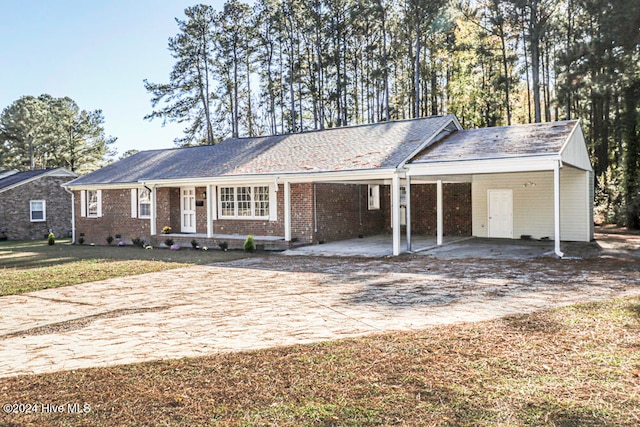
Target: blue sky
x=97, y=53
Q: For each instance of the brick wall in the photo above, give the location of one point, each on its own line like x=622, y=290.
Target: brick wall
x=456, y=199
x=15, y=209
x=343, y=213
x=116, y=220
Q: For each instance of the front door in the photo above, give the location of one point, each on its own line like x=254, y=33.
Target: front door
x=501, y=213
x=188, y=210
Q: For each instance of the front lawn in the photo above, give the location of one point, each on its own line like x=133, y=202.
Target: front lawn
x=31, y=265
x=574, y=366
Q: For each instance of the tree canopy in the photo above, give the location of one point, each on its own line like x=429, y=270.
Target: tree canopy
x=46, y=132
x=291, y=65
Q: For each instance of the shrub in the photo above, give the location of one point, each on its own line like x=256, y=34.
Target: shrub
x=249, y=244
x=138, y=242
x=194, y=244
x=223, y=246
x=109, y=239
x=81, y=241
x=166, y=229
x=168, y=242
x=175, y=247
x=51, y=239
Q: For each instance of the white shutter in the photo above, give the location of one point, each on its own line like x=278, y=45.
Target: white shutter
x=99, y=194
x=273, y=203
x=134, y=203
x=83, y=203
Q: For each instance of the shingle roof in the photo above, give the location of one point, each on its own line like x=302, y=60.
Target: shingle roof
x=18, y=177
x=500, y=142
x=381, y=145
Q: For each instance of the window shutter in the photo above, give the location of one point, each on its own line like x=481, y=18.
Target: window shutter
x=99, y=193
x=134, y=203
x=83, y=203
x=273, y=203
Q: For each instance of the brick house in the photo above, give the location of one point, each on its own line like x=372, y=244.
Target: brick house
x=33, y=203
x=341, y=183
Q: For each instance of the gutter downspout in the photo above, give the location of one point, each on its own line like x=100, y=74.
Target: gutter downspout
x=73, y=215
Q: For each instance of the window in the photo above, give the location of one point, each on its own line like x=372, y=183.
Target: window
x=92, y=203
x=374, y=197
x=244, y=202
x=227, y=202
x=38, y=210
x=262, y=201
x=144, y=203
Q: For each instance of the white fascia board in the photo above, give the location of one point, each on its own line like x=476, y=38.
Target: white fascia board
x=118, y=186
x=369, y=174
x=429, y=140
x=521, y=164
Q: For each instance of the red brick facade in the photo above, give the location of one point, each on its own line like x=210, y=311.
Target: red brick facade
x=116, y=220
x=15, y=209
x=319, y=213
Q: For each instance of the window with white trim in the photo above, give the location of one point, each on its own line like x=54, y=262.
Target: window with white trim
x=38, y=210
x=144, y=203
x=244, y=202
x=374, y=197
x=92, y=203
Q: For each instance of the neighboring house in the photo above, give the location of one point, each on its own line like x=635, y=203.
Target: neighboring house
x=33, y=203
x=423, y=176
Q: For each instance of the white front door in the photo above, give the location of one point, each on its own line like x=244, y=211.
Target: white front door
x=501, y=213
x=188, y=210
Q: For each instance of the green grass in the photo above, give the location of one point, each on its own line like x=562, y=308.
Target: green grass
x=32, y=265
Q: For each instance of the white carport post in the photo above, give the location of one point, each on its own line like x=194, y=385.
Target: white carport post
x=395, y=213
x=556, y=207
x=439, y=214
x=210, y=206
x=287, y=211
x=154, y=213
x=408, y=211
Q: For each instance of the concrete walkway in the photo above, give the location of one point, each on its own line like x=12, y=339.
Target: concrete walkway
x=276, y=300
x=371, y=246
x=452, y=248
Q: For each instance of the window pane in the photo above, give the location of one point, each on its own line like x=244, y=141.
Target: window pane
x=227, y=201
x=261, y=201
x=244, y=201
x=144, y=203
x=92, y=203
x=37, y=210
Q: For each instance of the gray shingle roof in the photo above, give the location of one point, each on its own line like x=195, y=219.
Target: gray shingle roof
x=18, y=177
x=381, y=145
x=500, y=142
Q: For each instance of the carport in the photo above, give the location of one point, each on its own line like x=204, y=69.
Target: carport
x=529, y=181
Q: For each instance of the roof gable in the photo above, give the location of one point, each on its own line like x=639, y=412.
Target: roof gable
x=377, y=146
x=20, y=178
x=574, y=152
x=537, y=139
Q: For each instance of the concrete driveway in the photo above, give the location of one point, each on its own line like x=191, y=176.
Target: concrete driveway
x=276, y=300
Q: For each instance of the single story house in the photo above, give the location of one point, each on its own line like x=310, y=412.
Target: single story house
x=33, y=203
x=425, y=176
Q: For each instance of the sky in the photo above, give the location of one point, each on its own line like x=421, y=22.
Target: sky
x=98, y=53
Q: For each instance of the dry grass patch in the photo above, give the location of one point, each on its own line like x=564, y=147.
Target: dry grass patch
x=575, y=366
